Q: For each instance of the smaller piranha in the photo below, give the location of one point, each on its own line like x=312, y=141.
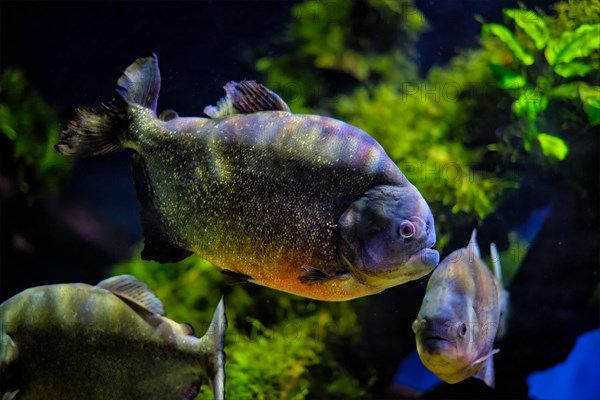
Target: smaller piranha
x=462, y=313
x=109, y=341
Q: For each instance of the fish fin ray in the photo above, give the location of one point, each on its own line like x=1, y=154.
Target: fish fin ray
x=236, y=277
x=158, y=240
x=9, y=349
x=102, y=129
x=95, y=130
x=129, y=288
x=140, y=82
x=487, y=373
x=246, y=97
x=214, y=351
x=312, y=275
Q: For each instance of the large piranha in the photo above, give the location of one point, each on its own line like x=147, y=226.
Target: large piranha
x=301, y=203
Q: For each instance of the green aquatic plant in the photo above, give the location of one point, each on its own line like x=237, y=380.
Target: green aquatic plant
x=549, y=65
x=275, y=343
x=334, y=42
x=30, y=127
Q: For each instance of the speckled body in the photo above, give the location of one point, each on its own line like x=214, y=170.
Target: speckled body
x=301, y=203
x=77, y=341
x=260, y=194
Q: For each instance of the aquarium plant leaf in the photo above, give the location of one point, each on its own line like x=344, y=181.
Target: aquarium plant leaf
x=553, y=146
x=507, y=78
x=590, y=97
x=505, y=35
x=530, y=103
x=573, y=44
x=532, y=24
x=565, y=91
x=575, y=68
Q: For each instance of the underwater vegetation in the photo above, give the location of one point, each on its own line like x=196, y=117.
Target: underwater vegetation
x=506, y=129
x=29, y=127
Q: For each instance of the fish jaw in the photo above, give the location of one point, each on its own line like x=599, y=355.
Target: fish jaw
x=439, y=353
x=386, y=237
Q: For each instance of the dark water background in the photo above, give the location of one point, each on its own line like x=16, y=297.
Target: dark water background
x=72, y=52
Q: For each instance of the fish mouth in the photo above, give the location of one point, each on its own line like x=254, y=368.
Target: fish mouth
x=436, y=343
x=435, y=339
x=427, y=257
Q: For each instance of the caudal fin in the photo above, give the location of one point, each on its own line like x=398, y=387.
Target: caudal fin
x=213, y=343
x=102, y=129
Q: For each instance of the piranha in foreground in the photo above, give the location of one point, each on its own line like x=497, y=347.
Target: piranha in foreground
x=110, y=341
x=463, y=312
x=301, y=203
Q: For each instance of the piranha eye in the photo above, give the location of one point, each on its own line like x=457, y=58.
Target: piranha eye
x=462, y=329
x=407, y=230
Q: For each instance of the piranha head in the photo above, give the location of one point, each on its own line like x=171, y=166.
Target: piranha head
x=454, y=332
x=386, y=236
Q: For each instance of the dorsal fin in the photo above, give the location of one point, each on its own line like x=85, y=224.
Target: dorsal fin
x=246, y=97
x=473, y=246
x=129, y=288
x=496, y=263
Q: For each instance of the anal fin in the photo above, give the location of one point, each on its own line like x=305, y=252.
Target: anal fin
x=158, y=239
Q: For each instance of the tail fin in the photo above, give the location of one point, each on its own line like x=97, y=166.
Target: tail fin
x=213, y=344
x=102, y=129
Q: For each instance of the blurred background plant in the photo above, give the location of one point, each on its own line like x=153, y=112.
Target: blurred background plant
x=29, y=130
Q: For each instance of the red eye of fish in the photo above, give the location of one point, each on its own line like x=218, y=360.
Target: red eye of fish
x=463, y=329
x=407, y=230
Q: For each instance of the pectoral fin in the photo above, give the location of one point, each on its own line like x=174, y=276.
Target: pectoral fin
x=503, y=295
x=246, y=97
x=311, y=275
x=486, y=373
x=10, y=395
x=131, y=289
x=159, y=244
x=9, y=350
